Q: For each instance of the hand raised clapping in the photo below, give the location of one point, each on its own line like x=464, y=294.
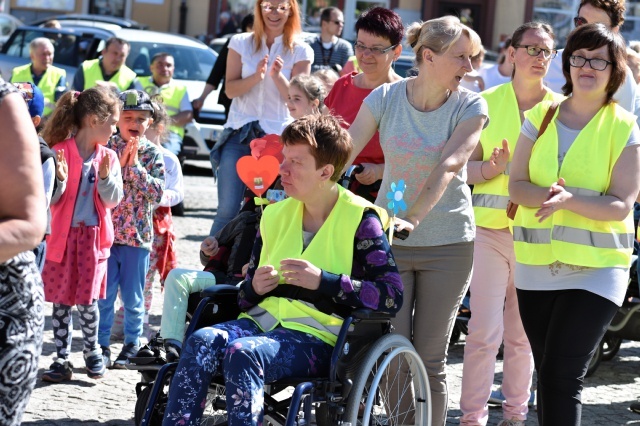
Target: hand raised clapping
x=62, y=169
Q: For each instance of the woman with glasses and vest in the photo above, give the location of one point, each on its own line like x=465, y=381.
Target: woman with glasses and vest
x=573, y=231
x=260, y=65
x=428, y=128
x=494, y=303
x=318, y=254
x=378, y=46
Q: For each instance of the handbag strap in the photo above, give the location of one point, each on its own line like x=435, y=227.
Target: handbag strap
x=547, y=118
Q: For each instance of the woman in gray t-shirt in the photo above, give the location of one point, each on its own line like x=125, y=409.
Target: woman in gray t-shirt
x=428, y=129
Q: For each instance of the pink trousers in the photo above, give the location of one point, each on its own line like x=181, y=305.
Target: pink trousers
x=494, y=316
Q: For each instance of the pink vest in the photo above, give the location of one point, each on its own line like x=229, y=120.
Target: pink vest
x=62, y=211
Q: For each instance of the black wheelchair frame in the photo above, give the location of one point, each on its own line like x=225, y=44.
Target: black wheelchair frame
x=356, y=392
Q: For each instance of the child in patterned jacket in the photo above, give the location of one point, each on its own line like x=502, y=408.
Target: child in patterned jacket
x=143, y=175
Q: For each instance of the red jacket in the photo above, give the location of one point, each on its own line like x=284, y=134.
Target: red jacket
x=62, y=211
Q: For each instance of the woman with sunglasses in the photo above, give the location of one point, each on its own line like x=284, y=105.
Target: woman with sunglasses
x=259, y=67
x=573, y=232
x=429, y=127
x=611, y=14
x=379, y=34
x=493, y=295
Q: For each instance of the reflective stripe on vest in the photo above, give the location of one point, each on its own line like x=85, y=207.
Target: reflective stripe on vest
x=490, y=201
x=47, y=84
x=93, y=73
x=281, y=231
x=490, y=198
x=574, y=236
x=172, y=95
x=587, y=168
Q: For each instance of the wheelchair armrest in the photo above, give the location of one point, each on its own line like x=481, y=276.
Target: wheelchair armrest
x=220, y=290
x=364, y=314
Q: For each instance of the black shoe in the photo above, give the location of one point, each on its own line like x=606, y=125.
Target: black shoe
x=172, y=352
x=128, y=350
x=635, y=407
x=178, y=209
x=60, y=371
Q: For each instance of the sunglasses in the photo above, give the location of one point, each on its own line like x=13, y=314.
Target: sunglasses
x=579, y=20
x=280, y=8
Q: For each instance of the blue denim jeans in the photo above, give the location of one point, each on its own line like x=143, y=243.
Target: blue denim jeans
x=173, y=143
x=248, y=358
x=233, y=145
x=127, y=271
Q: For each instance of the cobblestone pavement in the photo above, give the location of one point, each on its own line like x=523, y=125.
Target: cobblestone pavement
x=111, y=401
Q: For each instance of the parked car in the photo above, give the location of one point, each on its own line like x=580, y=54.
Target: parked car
x=75, y=44
x=89, y=20
x=8, y=24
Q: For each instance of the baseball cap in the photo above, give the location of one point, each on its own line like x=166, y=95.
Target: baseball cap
x=32, y=96
x=136, y=100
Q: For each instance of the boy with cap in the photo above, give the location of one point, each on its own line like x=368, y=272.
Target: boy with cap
x=143, y=177
x=35, y=104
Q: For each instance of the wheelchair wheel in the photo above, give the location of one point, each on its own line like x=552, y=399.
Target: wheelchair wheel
x=379, y=385
x=142, y=404
x=215, y=413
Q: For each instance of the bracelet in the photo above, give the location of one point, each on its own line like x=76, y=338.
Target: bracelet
x=482, y=174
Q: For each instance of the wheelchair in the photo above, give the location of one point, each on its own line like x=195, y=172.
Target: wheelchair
x=363, y=387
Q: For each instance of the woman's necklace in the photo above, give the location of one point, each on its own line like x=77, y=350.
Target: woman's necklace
x=413, y=88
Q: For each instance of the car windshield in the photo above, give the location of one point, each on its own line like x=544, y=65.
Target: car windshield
x=69, y=48
x=192, y=63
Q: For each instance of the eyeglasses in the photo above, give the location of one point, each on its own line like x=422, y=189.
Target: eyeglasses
x=579, y=20
x=535, y=51
x=280, y=8
x=595, y=63
x=375, y=51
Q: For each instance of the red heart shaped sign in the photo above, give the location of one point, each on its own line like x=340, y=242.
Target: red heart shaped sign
x=258, y=174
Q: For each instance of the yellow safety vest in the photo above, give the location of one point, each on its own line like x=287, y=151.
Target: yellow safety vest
x=93, y=73
x=330, y=250
x=490, y=198
x=566, y=236
x=172, y=95
x=47, y=83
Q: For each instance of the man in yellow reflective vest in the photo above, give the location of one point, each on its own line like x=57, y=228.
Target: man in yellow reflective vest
x=174, y=95
x=51, y=80
x=108, y=70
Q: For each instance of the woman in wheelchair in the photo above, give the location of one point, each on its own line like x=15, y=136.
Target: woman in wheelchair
x=318, y=255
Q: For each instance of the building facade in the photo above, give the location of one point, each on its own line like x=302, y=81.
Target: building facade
x=492, y=19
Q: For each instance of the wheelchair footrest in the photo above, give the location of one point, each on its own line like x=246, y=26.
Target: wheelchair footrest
x=143, y=364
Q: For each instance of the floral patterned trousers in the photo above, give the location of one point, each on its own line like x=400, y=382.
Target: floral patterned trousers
x=248, y=358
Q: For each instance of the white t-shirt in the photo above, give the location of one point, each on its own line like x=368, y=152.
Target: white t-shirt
x=263, y=102
x=173, y=182
x=492, y=77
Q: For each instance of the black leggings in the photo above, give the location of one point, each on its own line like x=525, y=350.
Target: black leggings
x=564, y=328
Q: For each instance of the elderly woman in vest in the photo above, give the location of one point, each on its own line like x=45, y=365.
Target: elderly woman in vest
x=573, y=232
x=493, y=294
x=301, y=281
